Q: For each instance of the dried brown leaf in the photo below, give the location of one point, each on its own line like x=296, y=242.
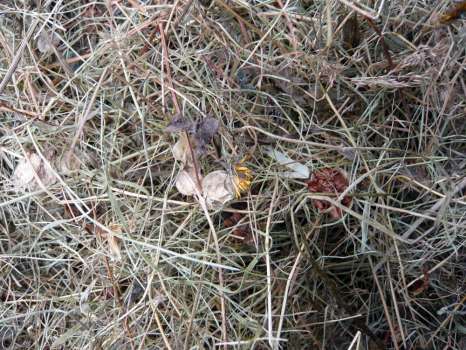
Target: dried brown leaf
x=454, y=12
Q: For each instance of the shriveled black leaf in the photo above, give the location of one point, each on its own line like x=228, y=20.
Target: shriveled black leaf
x=205, y=130
x=180, y=123
x=205, y=3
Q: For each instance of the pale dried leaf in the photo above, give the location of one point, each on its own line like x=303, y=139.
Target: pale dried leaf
x=299, y=171
x=25, y=170
x=31, y=168
x=159, y=299
x=218, y=188
x=69, y=163
x=114, y=242
x=181, y=151
x=348, y=152
x=46, y=42
x=84, y=298
x=186, y=182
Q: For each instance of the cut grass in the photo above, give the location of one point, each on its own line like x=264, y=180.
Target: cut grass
x=380, y=97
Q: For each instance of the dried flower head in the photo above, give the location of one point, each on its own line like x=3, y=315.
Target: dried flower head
x=332, y=182
x=242, y=179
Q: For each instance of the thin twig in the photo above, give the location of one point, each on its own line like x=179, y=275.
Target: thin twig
x=385, y=49
x=19, y=55
x=267, y=245
x=167, y=69
x=83, y=119
x=117, y=294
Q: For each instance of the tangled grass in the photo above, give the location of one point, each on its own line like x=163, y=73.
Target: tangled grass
x=111, y=256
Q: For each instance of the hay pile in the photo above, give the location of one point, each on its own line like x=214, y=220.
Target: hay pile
x=100, y=250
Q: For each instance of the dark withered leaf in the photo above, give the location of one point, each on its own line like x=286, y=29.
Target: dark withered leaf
x=205, y=130
x=205, y=3
x=180, y=123
x=351, y=33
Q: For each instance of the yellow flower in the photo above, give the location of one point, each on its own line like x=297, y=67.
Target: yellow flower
x=242, y=179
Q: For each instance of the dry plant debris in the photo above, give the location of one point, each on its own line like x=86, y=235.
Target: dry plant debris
x=217, y=187
x=455, y=12
x=242, y=179
x=186, y=182
x=331, y=182
x=32, y=173
x=46, y=42
x=201, y=133
x=298, y=170
x=241, y=233
x=234, y=227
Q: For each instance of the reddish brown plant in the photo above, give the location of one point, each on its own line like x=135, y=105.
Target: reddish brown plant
x=453, y=13
x=241, y=234
x=330, y=182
